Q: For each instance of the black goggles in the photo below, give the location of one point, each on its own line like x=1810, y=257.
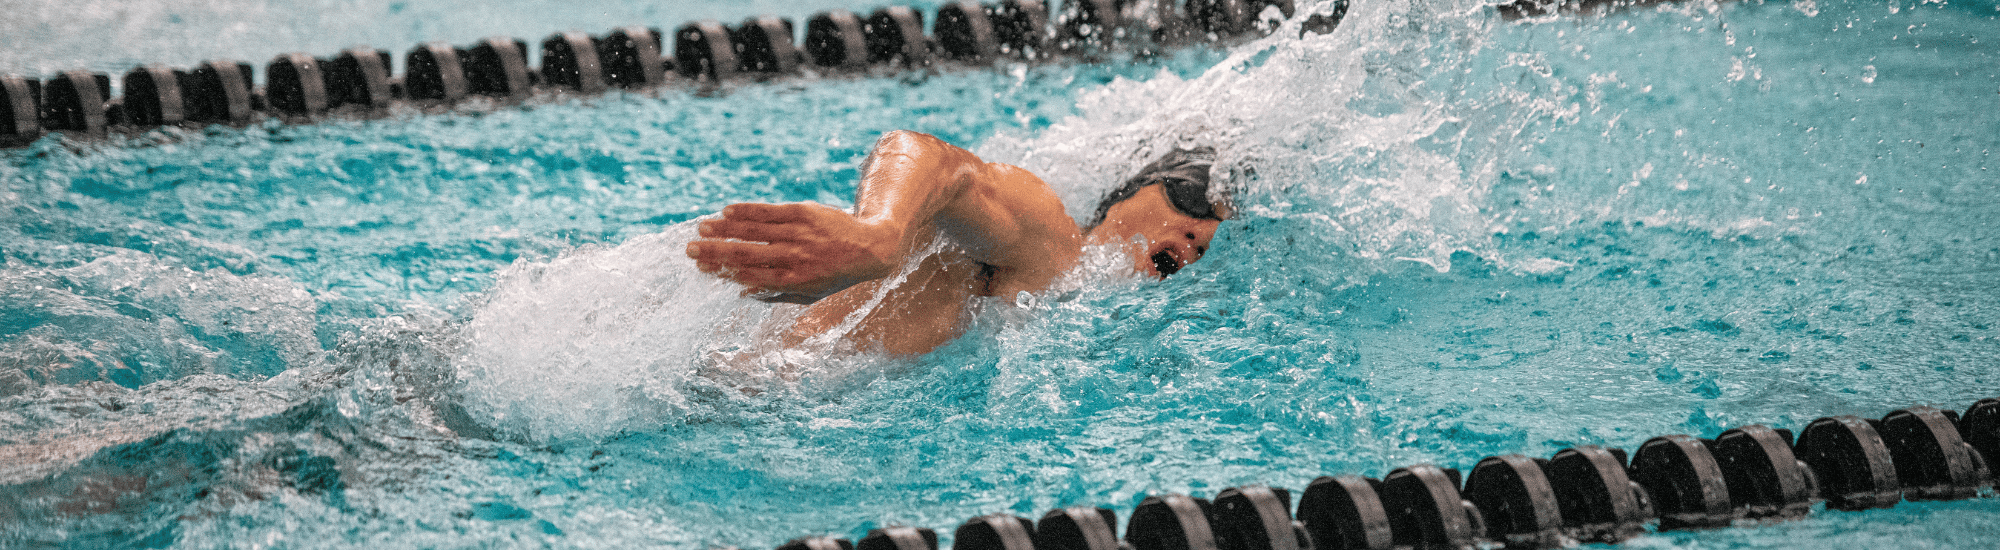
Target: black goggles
x=1183, y=175
x=1191, y=198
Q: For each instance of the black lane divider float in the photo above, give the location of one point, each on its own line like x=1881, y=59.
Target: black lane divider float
x=299, y=87
x=1584, y=494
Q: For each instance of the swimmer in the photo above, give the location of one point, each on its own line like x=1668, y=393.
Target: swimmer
x=1008, y=230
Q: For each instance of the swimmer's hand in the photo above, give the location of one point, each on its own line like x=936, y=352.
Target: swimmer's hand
x=795, y=253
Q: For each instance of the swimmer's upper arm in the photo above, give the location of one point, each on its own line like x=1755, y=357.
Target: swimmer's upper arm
x=1011, y=219
x=1001, y=215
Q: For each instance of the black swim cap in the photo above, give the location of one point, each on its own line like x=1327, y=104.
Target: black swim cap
x=1184, y=172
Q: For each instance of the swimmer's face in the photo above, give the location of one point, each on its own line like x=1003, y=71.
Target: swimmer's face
x=1172, y=239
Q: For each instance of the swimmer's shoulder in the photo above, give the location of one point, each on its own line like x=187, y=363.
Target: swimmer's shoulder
x=1012, y=174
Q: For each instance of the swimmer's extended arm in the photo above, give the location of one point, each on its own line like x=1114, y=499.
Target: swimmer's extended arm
x=912, y=184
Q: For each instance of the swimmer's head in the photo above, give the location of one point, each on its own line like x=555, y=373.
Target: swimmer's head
x=1183, y=175
x=1170, y=206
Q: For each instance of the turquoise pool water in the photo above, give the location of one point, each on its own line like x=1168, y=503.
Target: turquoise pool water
x=1463, y=237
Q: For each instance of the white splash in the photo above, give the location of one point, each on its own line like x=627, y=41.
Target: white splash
x=1339, y=119
x=595, y=342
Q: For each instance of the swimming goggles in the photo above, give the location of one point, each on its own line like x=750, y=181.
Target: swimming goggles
x=1191, y=198
x=1183, y=174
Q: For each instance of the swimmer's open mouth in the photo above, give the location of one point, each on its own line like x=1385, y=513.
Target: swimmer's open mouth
x=1165, y=263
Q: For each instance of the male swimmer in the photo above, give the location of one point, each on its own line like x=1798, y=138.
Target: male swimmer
x=1008, y=230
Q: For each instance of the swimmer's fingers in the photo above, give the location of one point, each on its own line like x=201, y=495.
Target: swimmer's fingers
x=795, y=252
x=750, y=231
x=740, y=255
x=773, y=213
x=779, y=276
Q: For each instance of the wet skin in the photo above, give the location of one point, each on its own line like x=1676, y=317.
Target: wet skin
x=1171, y=239
x=1008, y=229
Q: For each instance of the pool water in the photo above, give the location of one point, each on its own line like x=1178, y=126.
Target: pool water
x=1461, y=237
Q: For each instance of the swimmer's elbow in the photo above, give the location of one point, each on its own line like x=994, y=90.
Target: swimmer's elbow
x=924, y=149
x=908, y=142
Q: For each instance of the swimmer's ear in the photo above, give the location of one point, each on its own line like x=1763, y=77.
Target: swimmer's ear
x=773, y=296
